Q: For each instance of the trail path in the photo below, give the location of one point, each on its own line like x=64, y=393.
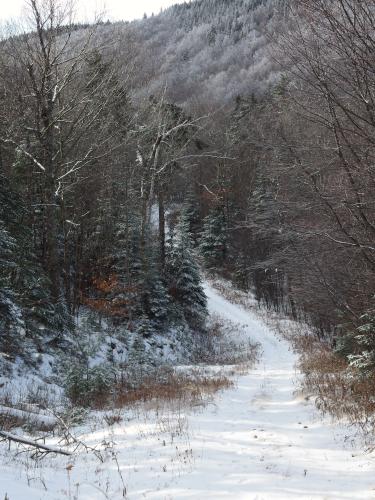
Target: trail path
x=258, y=441
x=263, y=442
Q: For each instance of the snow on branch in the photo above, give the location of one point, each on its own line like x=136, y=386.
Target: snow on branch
x=26, y=153
x=38, y=446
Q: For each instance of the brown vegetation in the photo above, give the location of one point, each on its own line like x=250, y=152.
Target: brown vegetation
x=340, y=390
x=189, y=389
x=164, y=385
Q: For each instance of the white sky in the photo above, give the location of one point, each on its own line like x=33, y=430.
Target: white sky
x=114, y=9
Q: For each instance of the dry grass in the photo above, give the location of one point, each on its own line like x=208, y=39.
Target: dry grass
x=341, y=390
x=165, y=385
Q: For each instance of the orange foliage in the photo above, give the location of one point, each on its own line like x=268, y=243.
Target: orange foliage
x=118, y=307
x=106, y=285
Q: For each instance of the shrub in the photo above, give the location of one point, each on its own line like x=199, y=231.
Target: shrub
x=89, y=387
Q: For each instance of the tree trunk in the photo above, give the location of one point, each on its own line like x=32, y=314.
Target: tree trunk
x=162, y=228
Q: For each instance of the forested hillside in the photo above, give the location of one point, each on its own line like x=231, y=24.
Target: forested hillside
x=97, y=152
x=210, y=51
x=227, y=138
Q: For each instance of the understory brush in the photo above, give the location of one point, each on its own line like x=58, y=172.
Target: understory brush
x=141, y=380
x=222, y=344
x=341, y=390
x=114, y=371
x=131, y=385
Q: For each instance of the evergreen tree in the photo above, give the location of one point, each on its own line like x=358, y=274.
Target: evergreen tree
x=191, y=215
x=139, y=355
x=128, y=265
x=155, y=297
x=213, y=243
x=24, y=287
x=359, y=346
x=147, y=292
x=10, y=321
x=129, y=288
x=267, y=239
x=184, y=277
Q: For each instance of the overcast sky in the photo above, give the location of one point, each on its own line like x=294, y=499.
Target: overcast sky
x=114, y=9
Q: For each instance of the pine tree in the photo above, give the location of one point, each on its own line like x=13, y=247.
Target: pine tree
x=10, y=322
x=147, y=291
x=184, y=277
x=191, y=215
x=25, y=288
x=268, y=238
x=131, y=289
x=138, y=355
x=359, y=346
x=213, y=243
x=128, y=265
x=155, y=297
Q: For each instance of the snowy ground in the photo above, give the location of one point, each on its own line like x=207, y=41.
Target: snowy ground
x=260, y=440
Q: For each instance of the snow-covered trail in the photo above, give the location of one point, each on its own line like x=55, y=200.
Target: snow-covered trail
x=261, y=441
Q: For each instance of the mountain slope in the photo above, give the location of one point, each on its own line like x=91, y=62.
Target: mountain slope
x=207, y=51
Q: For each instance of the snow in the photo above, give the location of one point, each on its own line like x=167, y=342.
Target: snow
x=260, y=440
x=29, y=416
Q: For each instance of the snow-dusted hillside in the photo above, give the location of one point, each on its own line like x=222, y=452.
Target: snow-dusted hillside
x=204, y=52
x=259, y=440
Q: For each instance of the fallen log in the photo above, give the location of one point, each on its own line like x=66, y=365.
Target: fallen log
x=38, y=446
x=45, y=421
